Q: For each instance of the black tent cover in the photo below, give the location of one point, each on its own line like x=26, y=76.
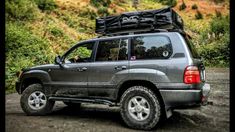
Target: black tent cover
x=165, y=18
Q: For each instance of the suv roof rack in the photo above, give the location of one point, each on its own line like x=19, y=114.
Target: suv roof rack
x=148, y=21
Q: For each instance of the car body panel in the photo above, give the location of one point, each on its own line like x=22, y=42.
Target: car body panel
x=101, y=79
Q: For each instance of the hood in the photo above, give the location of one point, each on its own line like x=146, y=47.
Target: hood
x=40, y=67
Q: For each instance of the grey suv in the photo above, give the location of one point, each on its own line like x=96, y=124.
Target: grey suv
x=147, y=75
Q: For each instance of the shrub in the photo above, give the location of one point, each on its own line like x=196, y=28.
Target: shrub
x=218, y=1
x=182, y=6
x=23, y=49
x=46, y=5
x=215, y=50
x=218, y=14
x=98, y=3
x=21, y=9
x=198, y=15
x=171, y=3
x=56, y=32
x=215, y=54
x=103, y=11
x=219, y=25
x=87, y=12
x=194, y=6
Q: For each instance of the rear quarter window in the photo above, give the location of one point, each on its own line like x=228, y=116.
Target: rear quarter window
x=150, y=47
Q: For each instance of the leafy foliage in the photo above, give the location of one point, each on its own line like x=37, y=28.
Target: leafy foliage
x=182, y=6
x=21, y=9
x=103, y=11
x=171, y=3
x=198, y=15
x=194, y=6
x=220, y=25
x=218, y=1
x=23, y=49
x=98, y=3
x=215, y=42
x=90, y=13
x=56, y=32
x=46, y=5
x=218, y=14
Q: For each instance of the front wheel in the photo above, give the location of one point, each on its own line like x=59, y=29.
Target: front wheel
x=34, y=101
x=140, y=108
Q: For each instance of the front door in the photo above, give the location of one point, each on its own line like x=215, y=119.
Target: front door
x=70, y=79
x=110, y=67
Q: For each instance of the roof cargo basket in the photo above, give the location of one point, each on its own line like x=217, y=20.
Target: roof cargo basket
x=161, y=20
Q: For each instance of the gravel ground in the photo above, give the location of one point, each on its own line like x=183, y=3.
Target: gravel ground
x=101, y=118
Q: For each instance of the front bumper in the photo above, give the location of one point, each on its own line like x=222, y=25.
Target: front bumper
x=186, y=98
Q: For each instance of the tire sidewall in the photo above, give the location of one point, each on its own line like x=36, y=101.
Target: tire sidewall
x=155, y=109
x=24, y=101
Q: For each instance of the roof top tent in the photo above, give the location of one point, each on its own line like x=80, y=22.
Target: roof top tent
x=165, y=19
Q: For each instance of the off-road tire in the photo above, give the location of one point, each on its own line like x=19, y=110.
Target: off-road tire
x=24, y=101
x=155, y=108
x=71, y=104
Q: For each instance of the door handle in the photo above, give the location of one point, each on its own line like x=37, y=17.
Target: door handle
x=120, y=67
x=81, y=69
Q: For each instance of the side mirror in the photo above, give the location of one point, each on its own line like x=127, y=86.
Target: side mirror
x=58, y=60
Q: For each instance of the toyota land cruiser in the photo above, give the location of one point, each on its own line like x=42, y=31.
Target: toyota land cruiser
x=147, y=75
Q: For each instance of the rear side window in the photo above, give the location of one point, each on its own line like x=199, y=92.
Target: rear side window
x=112, y=50
x=150, y=47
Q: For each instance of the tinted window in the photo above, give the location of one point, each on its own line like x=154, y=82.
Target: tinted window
x=150, y=47
x=112, y=50
x=82, y=53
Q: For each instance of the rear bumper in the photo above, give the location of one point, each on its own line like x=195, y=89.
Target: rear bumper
x=186, y=98
x=205, y=93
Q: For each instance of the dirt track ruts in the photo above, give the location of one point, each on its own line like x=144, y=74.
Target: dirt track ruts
x=101, y=118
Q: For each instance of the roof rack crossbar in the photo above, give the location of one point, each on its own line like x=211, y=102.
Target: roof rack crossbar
x=137, y=31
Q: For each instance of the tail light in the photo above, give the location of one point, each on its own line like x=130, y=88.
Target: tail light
x=192, y=75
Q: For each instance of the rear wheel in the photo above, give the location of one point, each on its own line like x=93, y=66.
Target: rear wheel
x=34, y=101
x=140, y=108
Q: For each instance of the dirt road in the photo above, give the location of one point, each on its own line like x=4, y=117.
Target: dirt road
x=101, y=118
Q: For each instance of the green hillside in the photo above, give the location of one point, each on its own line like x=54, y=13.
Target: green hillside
x=39, y=30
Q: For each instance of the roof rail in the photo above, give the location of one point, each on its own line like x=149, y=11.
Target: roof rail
x=139, y=31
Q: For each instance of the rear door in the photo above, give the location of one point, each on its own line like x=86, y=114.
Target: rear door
x=110, y=67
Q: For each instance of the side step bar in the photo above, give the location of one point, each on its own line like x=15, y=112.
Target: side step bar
x=80, y=100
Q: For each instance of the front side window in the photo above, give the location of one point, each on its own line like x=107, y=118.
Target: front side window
x=112, y=50
x=150, y=47
x=82, y=53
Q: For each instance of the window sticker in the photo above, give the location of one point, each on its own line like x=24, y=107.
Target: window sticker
x=165, y=53
x=133, y=58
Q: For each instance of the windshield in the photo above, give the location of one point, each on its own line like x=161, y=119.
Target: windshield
x=191, y=47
